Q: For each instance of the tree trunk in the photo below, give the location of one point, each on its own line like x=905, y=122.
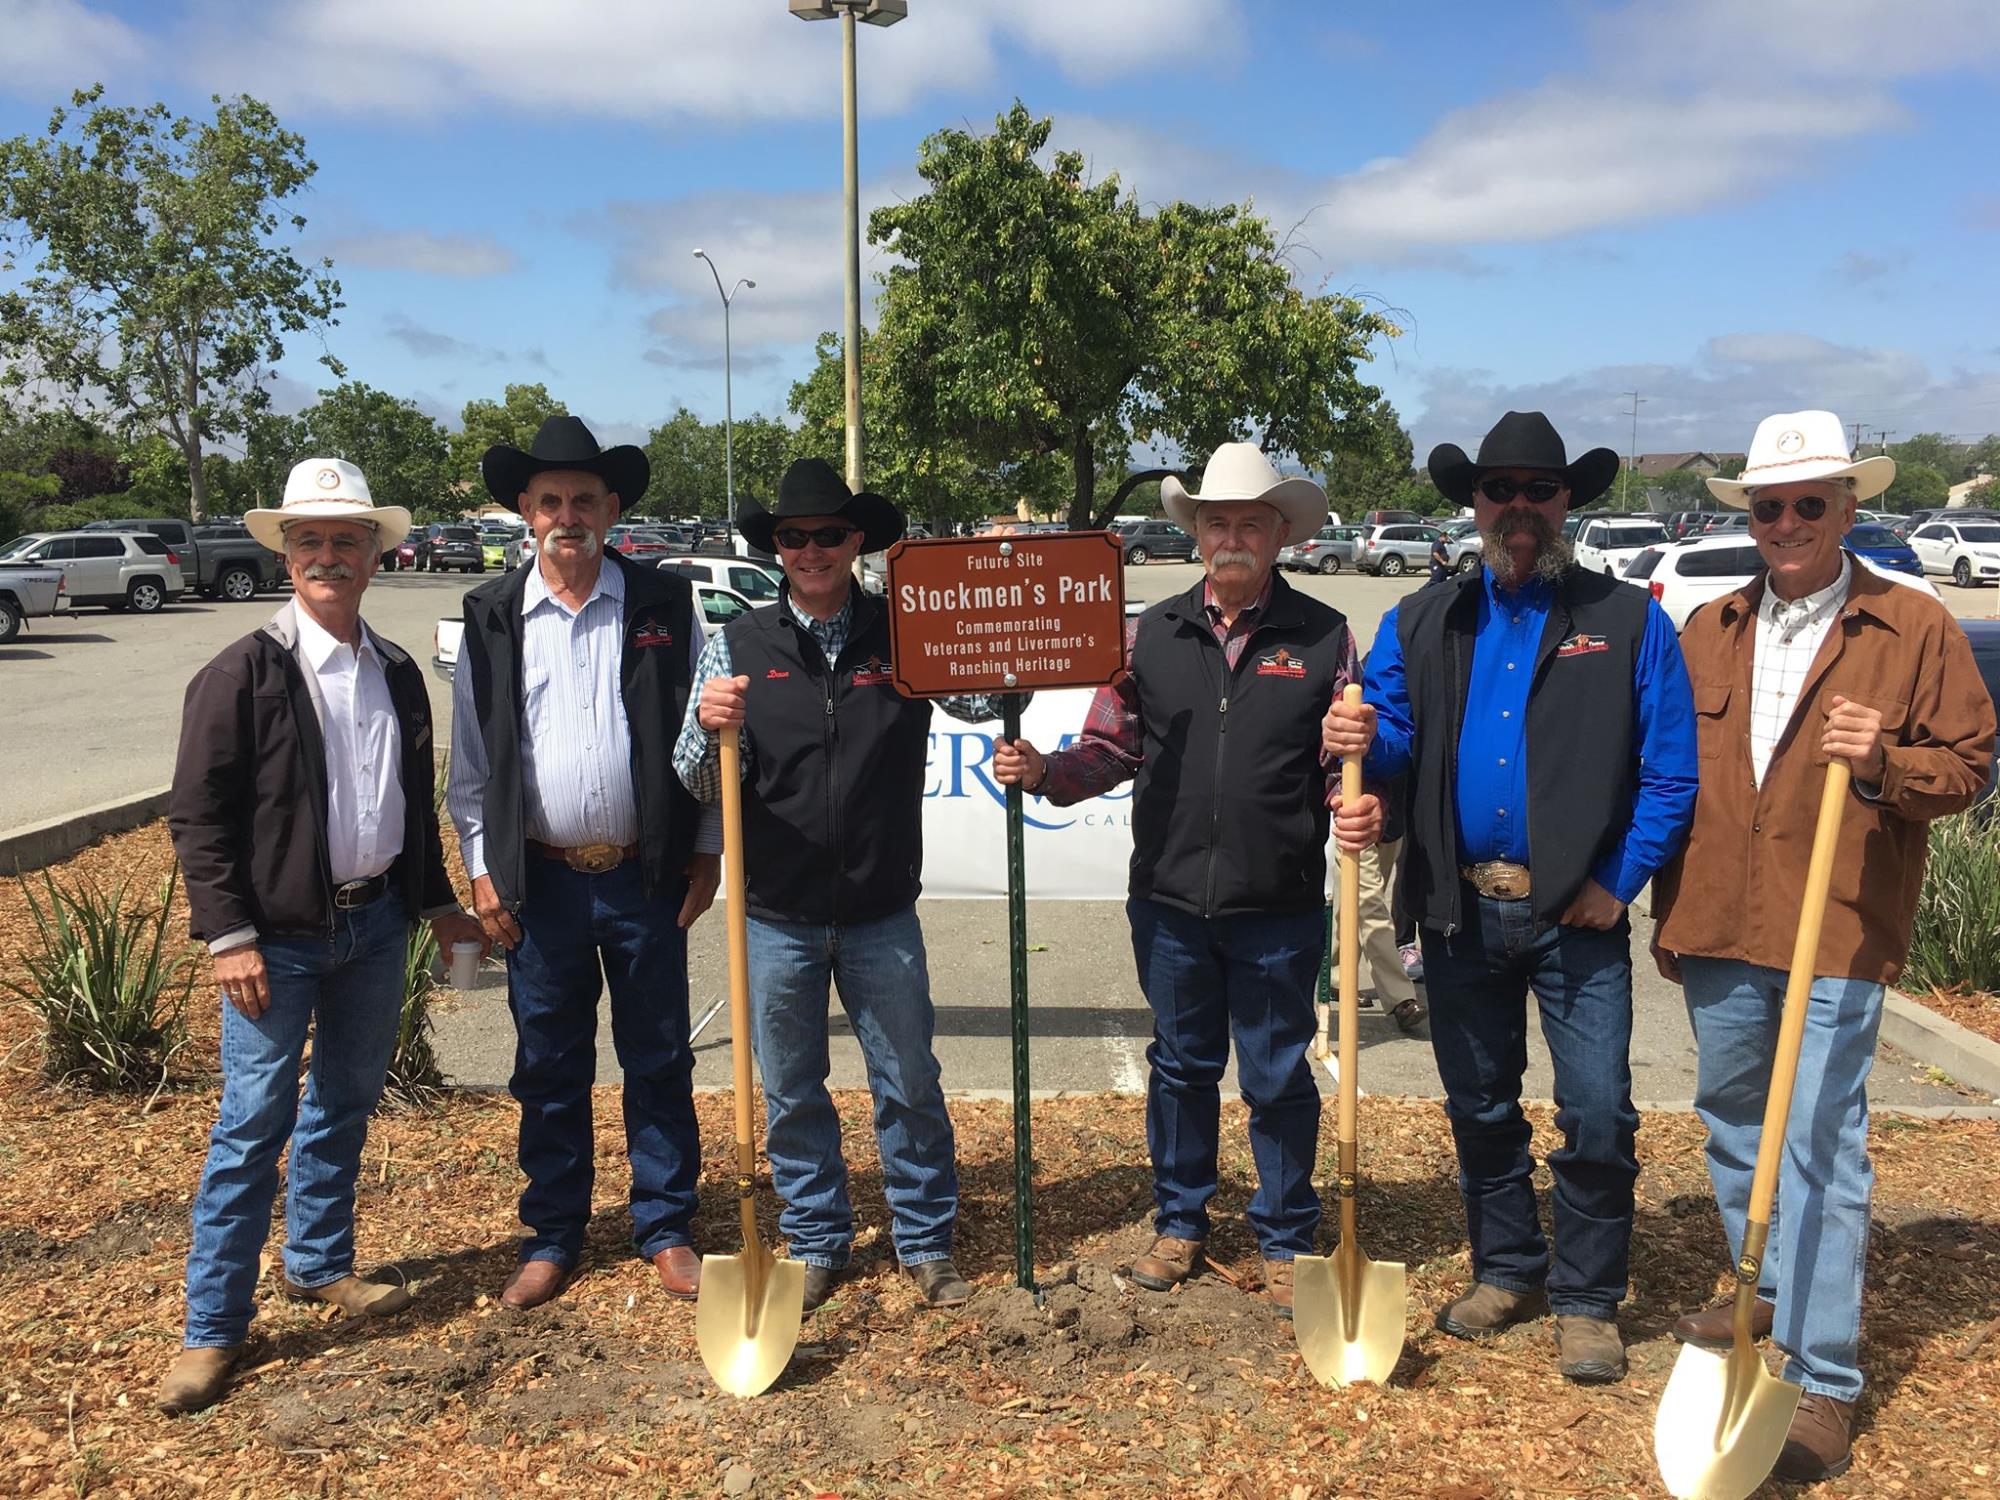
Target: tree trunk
x=1132, y=482
x=197, y=481
x=1083, y=464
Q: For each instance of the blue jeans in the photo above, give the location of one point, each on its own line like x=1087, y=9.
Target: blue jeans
x=579, y=934
x=348, y=991
x=1818, y=1250
x=1478, y=979
x=1206, y=977
x=885, y=988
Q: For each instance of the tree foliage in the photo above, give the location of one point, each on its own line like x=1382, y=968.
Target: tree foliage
x=403, y=453
x=1918, y=486
x=160, y=283
x=1034, y=314
x=1374, y=460
x=513, y=419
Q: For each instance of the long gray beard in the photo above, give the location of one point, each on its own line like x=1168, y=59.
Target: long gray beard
x=1553, y=555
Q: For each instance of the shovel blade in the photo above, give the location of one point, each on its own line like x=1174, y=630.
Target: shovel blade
x=1721, y=1424
x=1341, y=1343
x=747, y=1342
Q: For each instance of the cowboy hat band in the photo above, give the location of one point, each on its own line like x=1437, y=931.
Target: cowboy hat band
x=1522, y=440
x=563, y=442
x=327, y=489
x=812, y=488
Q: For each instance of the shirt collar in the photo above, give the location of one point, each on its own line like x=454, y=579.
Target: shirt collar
x=1214, y=610
x=822, y=629
x=1820, y=601
x=610, y=584
x=319, y=646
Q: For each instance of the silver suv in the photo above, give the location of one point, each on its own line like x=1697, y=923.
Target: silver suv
x=1395, y=550
x=118, y=569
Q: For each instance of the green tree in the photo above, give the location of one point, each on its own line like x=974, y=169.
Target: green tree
x=19, y=495
x=686, y=458
x=1933, y=450
x=160, y=283
x=1983, y=457
x=403, y=453
x=1032, y=313
x=1682, y=489
x=1375, y=460
x=1917, y=487
x=513, y=419
x=272, y=443
x=1419, y=495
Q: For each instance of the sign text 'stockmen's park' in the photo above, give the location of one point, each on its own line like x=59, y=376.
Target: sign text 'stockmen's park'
x=1001, y=614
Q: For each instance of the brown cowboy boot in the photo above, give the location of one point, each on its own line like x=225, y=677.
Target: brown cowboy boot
x=197, y=1379
x=1714, y=1327
x=1167, y=1264
x=1821, y=1442
x=534, y=1282
x=353, y=1296
x=1487, y=1309
x=1278, y=1285
x=1588, y=1350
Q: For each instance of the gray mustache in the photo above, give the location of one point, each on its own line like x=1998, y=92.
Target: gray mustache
x=329, y=570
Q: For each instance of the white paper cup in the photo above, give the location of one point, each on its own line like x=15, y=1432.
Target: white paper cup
x=464, y=971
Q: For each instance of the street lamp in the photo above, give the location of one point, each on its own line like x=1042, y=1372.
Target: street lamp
x=875, y=13
x=728, y=414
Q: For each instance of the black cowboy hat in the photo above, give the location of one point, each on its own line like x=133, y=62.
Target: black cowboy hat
x=1522, y=440
x=812, y=488
x=565, y=443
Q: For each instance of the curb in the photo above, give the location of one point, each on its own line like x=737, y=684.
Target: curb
x=37, y=844
x=1968, y=1057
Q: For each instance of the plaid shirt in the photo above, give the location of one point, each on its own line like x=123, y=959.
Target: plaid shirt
x=1111, y=747
x=1789, y=635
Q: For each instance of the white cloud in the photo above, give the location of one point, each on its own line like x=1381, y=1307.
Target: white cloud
x=1864, y=41
x=61, y=44
x=418, y=250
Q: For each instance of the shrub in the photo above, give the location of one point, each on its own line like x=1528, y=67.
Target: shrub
x=414, y=1076
x=1956, y=942
x=107, y=984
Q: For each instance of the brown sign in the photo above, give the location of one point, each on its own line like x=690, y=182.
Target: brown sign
x=999, y=614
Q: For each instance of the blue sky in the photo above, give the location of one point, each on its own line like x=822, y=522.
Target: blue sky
x=1732, y=206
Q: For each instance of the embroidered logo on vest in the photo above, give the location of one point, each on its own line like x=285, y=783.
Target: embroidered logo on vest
x=1582, y=645
x=652, y=633
x=872, y=675
x=1280, y=664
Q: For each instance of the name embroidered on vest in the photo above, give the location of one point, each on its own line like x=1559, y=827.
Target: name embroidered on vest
x=774, y=675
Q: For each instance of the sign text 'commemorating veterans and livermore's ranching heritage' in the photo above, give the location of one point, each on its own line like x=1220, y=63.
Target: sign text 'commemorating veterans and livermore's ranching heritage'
x=1005, y=614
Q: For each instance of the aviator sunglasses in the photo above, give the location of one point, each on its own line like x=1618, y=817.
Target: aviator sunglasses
x=1500, y=490
x=793, y=538
x=1809, y=507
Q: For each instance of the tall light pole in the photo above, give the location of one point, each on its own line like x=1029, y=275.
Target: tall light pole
x=1631, y=453
x=728, y=412
x=875, y=13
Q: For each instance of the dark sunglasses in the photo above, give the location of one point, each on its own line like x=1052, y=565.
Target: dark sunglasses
x=1809, y=507
x=1500, y=490
x=793, y=538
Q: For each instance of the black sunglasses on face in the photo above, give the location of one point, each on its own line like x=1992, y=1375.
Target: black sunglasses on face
x=1500, y=490
x=794, y=538
x=1809, y=507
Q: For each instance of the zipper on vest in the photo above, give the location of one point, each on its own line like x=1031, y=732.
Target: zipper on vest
x=832, y=740
x=1215, y=795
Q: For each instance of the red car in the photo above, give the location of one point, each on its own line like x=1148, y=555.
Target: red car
x=637, y=541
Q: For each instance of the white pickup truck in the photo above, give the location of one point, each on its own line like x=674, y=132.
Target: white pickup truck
x=29, y=589
x=719, y=606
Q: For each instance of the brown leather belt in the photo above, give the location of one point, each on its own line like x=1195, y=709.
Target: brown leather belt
x=587, y=859
x=1498, y=879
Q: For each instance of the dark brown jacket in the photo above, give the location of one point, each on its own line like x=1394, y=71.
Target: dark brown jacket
x=248, y=807
x=1736, y=888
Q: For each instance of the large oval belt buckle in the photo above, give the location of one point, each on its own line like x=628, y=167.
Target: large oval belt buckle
x=595, y=859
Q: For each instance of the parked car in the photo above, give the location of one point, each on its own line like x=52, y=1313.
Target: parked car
x=521, y=549
x=1967, y=551
x=1369, y=519
x=718, y=606
x=640, y=543
x=1394, y=550
x=1884, y=548
x=493, y=542
x=755, y=581
x=27, y=590
x=1468, y=547
x=1985, y=638
x=1143, y=541
x=118, y=569
x=221, y=561
x=1687, y=576
x=446, y=546
x=402, y=555
x=1608, y=544
x=1328, y=550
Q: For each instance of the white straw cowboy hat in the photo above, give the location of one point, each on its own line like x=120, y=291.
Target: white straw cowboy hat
x=1799, y=445
x=328, y=489
x=1240, y=471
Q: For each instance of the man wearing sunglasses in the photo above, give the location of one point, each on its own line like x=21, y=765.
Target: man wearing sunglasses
x=833, y=770
x=1817, y=657
x=1543, y=716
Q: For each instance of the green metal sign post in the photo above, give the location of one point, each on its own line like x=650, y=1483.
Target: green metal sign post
x=1017, y=974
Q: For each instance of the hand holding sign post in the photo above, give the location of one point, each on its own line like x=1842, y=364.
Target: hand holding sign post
x=1008, y=615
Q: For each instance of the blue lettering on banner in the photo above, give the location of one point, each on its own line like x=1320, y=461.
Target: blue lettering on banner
x=964, y=773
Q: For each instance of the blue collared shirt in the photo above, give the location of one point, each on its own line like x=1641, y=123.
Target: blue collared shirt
x=1491, y=794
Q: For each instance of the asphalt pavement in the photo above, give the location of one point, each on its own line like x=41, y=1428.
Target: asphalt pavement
x=90, y=709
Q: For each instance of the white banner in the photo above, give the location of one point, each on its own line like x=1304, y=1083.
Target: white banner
x=1080, y=853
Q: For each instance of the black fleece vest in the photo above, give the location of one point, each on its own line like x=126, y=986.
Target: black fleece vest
x=1229, y=808
x=1583, y=771
x=833, y=807
x=655, y=677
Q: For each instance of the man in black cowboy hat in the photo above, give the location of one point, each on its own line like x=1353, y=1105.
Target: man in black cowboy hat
x=588, y=858
x=833, y=770
x=1544, y=718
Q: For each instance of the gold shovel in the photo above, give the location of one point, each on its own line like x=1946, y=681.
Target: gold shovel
x=1724, y=1418
x=746, y=1320
x=1348, y=1312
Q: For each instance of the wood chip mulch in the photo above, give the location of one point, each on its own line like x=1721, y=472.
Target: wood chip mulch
x=1106, y=1390
x=1974, y=1011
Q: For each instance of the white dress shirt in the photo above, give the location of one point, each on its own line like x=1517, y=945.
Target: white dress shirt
x=576, y=743
x=1789, y=635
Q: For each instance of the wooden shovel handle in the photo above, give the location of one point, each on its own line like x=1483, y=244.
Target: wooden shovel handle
x=1350, y=950
x=739, y=989
x=1798, y=990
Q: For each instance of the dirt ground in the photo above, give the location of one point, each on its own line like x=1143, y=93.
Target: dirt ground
x=1102, y=1390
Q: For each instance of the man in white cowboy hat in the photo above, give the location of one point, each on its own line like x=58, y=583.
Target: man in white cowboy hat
x=1543, y=718
x=1228, y=879
x=303, y=818
x=1818, y=656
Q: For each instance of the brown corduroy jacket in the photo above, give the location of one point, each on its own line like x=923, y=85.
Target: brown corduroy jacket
x=1736, y=888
